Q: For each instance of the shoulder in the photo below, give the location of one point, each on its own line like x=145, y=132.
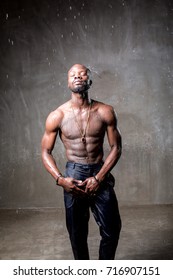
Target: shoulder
x=106, y=112
x=54, y=119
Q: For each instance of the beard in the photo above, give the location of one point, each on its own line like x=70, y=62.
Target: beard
x=80, y=88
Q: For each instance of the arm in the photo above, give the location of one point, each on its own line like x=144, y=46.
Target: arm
x=47, y=145
x=115, y=143
x=48, y=142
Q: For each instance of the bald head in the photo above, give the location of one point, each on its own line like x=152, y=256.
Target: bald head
x=81, y=66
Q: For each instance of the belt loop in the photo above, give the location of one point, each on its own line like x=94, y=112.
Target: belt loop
x=73, y=165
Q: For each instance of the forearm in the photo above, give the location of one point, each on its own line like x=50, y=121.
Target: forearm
x=50, y=164
x=109, y=163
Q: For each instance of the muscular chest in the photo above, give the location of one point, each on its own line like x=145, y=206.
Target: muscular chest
x=75, y=124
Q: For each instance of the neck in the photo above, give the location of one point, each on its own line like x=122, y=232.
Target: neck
x=80, y=100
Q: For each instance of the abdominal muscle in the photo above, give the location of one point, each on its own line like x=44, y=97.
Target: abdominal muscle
x=88, y=153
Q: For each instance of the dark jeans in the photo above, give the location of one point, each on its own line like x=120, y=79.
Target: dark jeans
x=104, y=207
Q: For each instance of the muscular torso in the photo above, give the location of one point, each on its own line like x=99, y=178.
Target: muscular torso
x=76, y=150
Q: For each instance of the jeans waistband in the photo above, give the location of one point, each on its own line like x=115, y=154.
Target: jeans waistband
x=84, y=166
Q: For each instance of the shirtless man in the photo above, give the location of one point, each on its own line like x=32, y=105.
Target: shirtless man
x=88, y=184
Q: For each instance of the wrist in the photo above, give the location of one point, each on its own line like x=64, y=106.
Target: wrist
x=99, y=178
x=59, y=175
x=96, y=178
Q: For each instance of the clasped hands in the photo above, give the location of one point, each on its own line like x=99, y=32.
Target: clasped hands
x=78, y=187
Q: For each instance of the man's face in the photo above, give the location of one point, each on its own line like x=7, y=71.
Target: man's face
x=78, y=79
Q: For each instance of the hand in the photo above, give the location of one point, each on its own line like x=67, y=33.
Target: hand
x=91, y=185
x=70, y=185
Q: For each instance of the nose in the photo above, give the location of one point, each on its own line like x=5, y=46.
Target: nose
x=77, y=76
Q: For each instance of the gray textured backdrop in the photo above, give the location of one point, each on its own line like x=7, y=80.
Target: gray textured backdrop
x=129, y=48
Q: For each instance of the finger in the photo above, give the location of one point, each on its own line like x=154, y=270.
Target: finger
x=83, y=183
x=77, y=181
x=76, y=189
x=90, y=185
x=88, y=189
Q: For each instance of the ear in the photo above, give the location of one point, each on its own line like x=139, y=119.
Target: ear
x=89, y=83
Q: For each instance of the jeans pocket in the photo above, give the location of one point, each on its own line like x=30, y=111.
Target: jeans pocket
x=110, y=180
x=70, y=172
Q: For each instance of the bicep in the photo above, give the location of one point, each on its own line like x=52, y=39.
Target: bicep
x=113, y=133
x=50, y=134
x=114, y=136
x=48, y=141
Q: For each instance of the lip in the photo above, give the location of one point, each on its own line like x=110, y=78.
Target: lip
x=78, y=82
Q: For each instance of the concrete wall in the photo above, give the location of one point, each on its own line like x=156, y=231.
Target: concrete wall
x=128, y=47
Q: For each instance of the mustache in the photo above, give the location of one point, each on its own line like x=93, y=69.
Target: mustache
x=79, y=81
